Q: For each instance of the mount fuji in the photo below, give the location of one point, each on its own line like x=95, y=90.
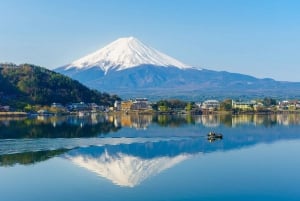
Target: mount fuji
x=130, y=68
x=123, y=54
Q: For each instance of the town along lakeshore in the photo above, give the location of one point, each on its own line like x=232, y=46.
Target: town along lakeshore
x=171, y=106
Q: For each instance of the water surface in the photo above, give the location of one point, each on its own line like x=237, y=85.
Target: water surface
x=150, y=158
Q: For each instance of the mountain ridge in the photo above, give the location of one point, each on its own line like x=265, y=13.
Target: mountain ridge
x=162, y=79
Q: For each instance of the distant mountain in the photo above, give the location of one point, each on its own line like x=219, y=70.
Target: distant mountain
x=131, y=68
x=29, y=84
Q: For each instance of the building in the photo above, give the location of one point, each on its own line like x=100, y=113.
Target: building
x=210, y=105
x=243, y=105
x=4, y=108
x=137, y=104
x=289, y=105
x=57, y=105
x=93, y=107
x=126, y=105
x=117, y=105
x=140, y=104
x=77, y=106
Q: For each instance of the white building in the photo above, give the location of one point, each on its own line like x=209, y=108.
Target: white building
x=210, y=105
x=140, y=104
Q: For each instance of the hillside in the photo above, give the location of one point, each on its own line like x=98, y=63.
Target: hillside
x=30, y=84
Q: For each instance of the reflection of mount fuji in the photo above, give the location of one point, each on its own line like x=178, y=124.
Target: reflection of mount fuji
x=130, y=164
x=126, y=170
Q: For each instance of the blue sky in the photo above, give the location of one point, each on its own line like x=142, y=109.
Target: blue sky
x=255, y=37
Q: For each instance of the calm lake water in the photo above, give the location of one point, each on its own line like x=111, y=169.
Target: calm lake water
x=144, y=157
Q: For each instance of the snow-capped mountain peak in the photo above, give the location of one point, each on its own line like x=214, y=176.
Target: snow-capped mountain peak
x=125, y=53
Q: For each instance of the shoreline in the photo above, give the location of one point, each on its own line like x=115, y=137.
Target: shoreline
x=149, y=112
x=13, y=114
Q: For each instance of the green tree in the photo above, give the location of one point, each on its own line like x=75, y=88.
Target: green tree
x=226, y=105
x=189, y=107
x=269, y=102
x=29, y=84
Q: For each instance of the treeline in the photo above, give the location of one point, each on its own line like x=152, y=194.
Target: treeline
x=29, y=84
x=173, y=105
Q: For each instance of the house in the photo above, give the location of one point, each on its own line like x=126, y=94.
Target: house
x=117, y=105
x=4, y=108
x=77, y=106
x=93, y=107
x=140, y=104
x=126, y=105
x=289, y=105
x=57, y=106
x=243, y=105
x=210, y=105
x=42, y=112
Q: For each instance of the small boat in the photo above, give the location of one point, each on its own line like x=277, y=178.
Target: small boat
x=213, y=136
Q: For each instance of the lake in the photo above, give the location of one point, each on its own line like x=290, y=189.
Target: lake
x=145, y=157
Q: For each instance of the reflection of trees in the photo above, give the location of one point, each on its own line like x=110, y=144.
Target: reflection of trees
x=226, y=120
x=74, y=127
x=172, y=120
x=144, y=120
x=265, y=120
x=71, y=127
x=29, y=157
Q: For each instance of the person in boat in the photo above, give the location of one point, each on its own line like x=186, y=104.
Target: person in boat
x=214, y=135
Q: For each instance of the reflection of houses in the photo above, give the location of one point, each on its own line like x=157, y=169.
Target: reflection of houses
x=126, y=121
x=241, y=119
x=133, y=120
x=267, y=120
x=283, y=120
x=288, y=119
x=141, y=121
x=210, y=120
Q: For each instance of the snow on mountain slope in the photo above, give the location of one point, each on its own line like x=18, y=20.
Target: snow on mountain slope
x=125, y=53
